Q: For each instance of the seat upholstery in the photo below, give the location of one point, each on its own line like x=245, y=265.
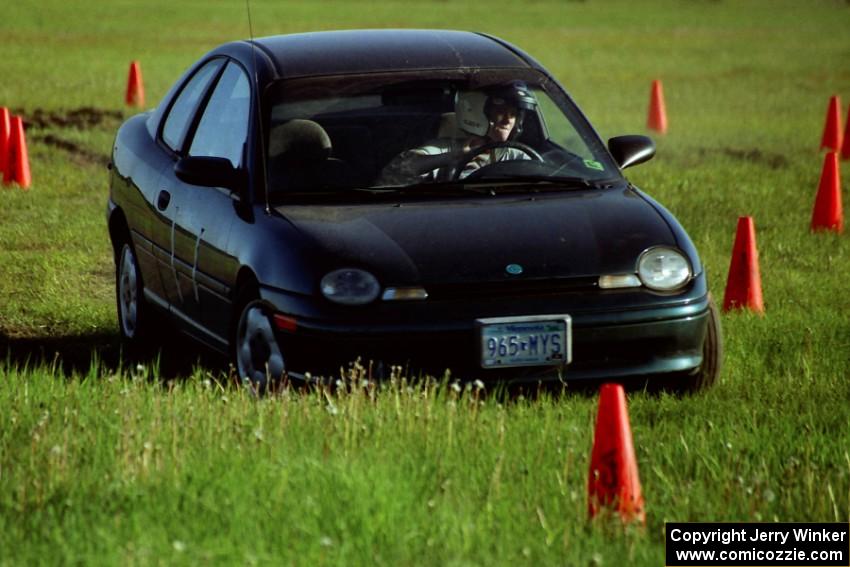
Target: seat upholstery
x=300, y=158
x=448, y=126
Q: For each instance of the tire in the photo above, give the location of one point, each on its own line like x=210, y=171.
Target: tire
x=712, y=354
x=257, y=356
x=134, y=314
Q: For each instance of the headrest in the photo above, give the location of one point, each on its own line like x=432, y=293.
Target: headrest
x=448, y=126
x=299, y=141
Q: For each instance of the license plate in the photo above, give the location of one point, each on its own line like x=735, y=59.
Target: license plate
x=543, y=340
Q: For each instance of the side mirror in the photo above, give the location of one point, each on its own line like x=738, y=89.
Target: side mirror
x=631, y=150
x=210, y=172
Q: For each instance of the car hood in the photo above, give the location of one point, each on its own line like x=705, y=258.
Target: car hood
x=549, y=235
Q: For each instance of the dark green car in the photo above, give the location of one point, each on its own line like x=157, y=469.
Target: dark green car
x=428, y=199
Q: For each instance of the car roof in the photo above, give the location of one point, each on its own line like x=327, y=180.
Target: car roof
x=365, y=51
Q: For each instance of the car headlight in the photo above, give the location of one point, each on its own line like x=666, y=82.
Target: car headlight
x=350, y=286
x=664, y=269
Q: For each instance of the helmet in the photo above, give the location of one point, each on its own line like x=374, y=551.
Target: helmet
x=469, y=110
x=474, y=108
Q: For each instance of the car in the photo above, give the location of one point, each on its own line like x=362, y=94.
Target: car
x=302, y=201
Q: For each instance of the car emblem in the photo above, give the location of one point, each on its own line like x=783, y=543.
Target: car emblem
x=513, y=269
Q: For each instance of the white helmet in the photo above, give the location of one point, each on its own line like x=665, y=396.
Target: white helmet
x=473, y=107
x=469, y=110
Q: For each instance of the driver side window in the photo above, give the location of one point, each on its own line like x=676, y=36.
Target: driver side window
x=223, y=129
x=181, y=112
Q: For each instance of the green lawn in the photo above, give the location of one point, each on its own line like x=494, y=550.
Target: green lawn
x=105, y=464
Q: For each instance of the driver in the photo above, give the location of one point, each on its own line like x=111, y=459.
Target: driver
x=490, y=116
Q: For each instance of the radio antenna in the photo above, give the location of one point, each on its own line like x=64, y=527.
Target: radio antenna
x=259, y=112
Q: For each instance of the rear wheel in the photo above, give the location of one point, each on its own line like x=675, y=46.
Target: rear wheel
x=712, y=354
x=257, y=356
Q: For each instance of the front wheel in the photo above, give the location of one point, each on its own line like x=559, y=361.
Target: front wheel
x=712, y=354
x=258, y=358
x=133, y=312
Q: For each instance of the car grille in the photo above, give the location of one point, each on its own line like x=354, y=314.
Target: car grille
x=514, y=288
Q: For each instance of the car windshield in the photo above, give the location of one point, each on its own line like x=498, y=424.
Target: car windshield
x=436, y=130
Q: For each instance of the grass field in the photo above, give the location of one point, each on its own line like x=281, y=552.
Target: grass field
x=163, y=461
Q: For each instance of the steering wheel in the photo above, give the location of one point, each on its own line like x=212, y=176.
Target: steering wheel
x=477, y=151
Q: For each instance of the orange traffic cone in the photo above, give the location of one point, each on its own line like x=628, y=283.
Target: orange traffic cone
x=657, y=119
x=831, y=138
x=18, y=166
x=135, y=89
x=5, y=128
x=613, y=483
x=743, y=286
x=845, y=146
x=827, y=214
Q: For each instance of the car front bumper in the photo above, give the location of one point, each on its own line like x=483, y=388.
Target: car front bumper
x=617, y=338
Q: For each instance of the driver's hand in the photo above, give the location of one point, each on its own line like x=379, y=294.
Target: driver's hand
x=470, y=144
x=474, y=164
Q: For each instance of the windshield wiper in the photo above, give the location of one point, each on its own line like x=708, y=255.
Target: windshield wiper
x=485, y=186
x=543, y=182
x=363, y=193
x=494, y=185
x=428, y=188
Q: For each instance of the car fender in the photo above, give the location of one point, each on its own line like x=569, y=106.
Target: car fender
x=683, y=241
x=276, y=252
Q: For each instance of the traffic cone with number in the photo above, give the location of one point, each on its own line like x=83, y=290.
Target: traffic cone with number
x=657, y=119
x=5, y=129
x=743, y=286
x=18, y=165
x=135, y=89
x=845, y=146
x=827, y=213
x=613, y=482
x=831, y=137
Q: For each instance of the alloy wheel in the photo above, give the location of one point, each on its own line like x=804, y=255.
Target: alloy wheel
x=128, y=293
x=258, y=356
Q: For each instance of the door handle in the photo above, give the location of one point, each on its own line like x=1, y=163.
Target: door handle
x=163, y=199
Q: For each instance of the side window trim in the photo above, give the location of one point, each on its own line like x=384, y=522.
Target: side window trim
x=198, y=110
x=202, y=106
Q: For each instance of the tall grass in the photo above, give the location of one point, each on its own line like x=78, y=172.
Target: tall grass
x=125, y=468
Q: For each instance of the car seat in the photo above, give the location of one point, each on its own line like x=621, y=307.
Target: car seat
x=448, y=127
x=300, y=158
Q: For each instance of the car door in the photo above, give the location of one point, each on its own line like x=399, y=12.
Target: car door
x=202, y=268
x=172, y=136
